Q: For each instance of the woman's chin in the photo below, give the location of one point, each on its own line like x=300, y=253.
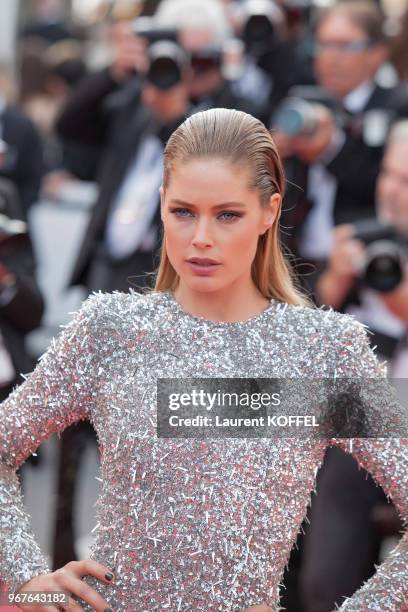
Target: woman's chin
x=203, y=284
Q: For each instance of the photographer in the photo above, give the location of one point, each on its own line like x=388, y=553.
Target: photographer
x=335, y=154
x=344, y=284
x=356, y=517
x=22, y=161
x=126, y=111
x=21, y=303
x=202, y=30
x=281, y=56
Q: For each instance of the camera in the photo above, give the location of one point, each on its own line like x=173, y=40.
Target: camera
x=146, y=28
x=259, y=32
x=296, y=115
x=385, y=255
x=206, y=59
x=166, y=57
x=167, y=60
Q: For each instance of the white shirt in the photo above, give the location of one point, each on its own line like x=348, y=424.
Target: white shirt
x=136, y=202
x=316, y=240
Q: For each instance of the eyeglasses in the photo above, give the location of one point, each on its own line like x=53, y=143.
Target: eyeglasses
x=352, y=46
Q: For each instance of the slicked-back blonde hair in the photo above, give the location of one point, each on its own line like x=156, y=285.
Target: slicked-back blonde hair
x=239, y=138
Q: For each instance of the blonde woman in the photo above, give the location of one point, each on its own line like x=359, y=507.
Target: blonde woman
x=192, y=524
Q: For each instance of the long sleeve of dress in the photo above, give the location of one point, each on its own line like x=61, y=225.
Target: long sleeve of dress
x=386, y=458
x=57, y=393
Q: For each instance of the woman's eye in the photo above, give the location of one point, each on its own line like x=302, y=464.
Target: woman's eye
x=232, y=216
x=185, y=213
x=179, y=212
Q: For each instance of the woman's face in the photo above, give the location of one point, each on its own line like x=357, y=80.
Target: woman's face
x=209, y=212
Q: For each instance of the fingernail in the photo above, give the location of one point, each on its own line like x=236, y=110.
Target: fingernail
x=108, y=610
x=109, y=576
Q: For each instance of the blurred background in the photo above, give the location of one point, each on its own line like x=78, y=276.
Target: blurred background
x=90, y=90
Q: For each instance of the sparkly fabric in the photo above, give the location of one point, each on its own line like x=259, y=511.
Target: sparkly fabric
x=203, y=525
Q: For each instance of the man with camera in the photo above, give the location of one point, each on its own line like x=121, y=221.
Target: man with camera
x=203, y=29
x=333, y=138
x=367, y=272
x=21, y=303
x=21, y=154
x=367, y=276
x=126, y=112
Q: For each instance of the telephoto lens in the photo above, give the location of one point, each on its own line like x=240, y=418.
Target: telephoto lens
x=385, y=255
x=296, y=116
x=166, y=63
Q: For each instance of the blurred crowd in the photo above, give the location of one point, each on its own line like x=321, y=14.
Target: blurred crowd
x=96, y=102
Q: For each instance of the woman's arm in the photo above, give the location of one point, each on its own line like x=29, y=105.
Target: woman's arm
x=58, y=392
x=385, y=458
x=387, y=461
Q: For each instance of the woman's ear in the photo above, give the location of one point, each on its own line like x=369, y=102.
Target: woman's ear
x=271, y=212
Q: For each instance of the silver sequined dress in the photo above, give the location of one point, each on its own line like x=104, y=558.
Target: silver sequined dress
x=187, y=524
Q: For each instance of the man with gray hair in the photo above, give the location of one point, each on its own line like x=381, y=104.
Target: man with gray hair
x=203, y=28
x=355, y=517
x=342, y=284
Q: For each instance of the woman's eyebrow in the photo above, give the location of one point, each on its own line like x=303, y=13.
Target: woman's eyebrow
x=222, y=205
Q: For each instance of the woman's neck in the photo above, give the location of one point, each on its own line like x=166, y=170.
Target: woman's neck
x=230, y=304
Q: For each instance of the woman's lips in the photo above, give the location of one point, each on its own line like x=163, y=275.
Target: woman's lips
x=203, y=269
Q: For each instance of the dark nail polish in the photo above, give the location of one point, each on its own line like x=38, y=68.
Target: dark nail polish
x=108, y=576
x=108, y=610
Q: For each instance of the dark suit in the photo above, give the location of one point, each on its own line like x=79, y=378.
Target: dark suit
x=101, y=114
x=24, y=312
x=225, y=97
x=23, y=164
x=341, y=545
x=355, y=168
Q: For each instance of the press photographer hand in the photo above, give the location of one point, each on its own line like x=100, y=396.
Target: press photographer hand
x=3, y=271
x=128, y=51
x=68, y=579
x=5, y=276
x=343, y=267
x=310, y=147
x=347, y=254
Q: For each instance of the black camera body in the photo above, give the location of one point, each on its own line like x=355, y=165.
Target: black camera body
x=385, y=255
x=146, y=28
x=166, y=57
x=261, y=27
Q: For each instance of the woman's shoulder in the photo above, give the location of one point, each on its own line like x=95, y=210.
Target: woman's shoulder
x=119, y=304
x=344, y=340
x=308, y=319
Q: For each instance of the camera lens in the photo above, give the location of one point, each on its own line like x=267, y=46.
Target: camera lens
x=164, y=73
x=383, y=270
x=167, y=60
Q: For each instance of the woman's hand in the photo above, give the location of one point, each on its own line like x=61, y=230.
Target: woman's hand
x=68, y=578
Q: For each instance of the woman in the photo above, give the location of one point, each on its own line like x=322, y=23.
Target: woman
x=196, y=524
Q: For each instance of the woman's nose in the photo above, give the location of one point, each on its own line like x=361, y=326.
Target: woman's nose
x=202, y=234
